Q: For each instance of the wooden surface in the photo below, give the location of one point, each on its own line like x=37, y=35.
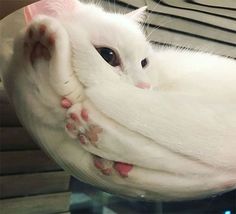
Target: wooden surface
x=30, y=181
x=33, y=184
x=206, y=25
x=40, y=204
x=14, y=162
x=8, y=136
x=8, y=116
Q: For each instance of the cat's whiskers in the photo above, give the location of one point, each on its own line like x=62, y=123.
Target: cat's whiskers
x=156, y=28
x=114, y=6
x=144, y=26
x=126, y=7
x=98, y=3
x=122, y=10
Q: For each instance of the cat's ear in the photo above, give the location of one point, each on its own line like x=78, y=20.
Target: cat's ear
x=50, y=7
x=138, y=15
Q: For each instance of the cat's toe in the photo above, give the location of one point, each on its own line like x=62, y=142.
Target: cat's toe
x=93, y=134
x=47, y=35
x=39, y=41
x=105, y=166
x=74, y=127
x=108, y=167
x=66, y=103
x=39, y=51
x=71, y=130
x=123, y=168
x=84, y=115
x=83, y=139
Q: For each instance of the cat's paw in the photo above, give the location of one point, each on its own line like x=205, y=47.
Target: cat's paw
x=79, y=125
x=40, y=38
x=103, y=165
x=108, y=167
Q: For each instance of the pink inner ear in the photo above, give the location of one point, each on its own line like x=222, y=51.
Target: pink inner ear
x=49, y=7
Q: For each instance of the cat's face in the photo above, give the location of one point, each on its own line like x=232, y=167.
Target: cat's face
x=104, y=46
x=115, y=43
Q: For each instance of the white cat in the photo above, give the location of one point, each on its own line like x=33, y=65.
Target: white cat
x=80, y=80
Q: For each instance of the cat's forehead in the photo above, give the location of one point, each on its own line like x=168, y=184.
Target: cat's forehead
x=113, y=29
x=118, y=30
x=122, y=33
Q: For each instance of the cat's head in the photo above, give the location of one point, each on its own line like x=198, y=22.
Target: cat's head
x=104, y=45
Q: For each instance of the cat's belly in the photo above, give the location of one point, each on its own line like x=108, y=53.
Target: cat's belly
x=192, y=72
x=156, y=173
x=137, y=166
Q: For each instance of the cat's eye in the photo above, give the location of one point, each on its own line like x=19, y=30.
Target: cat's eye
x=144, y=62
x=109, y=55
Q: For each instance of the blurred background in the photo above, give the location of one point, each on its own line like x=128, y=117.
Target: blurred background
x=30, y=182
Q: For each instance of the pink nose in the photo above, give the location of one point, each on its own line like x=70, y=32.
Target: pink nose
x=143, y=85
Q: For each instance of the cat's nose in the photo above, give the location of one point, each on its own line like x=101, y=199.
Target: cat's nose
x=143, y=85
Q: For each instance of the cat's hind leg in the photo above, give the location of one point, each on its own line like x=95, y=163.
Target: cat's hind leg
x=80, y=126
x=108, y=167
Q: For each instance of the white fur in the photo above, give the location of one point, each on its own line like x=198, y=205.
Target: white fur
x=180, y=136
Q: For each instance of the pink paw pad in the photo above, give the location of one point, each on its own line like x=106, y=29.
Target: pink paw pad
x=65, y=103
x=99, y=164
x=38, y=42
x=39, y=51
x=82, y=139
x=107, y=171
x=93, y=134
x=70, y=126
x=51, y=40
x=30, y=33
x=123, y=168
x=74, y=117
x=84, y=115
x=42, y=29
x=84, y=131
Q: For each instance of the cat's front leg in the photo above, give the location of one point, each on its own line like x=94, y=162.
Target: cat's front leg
x=46, y=40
